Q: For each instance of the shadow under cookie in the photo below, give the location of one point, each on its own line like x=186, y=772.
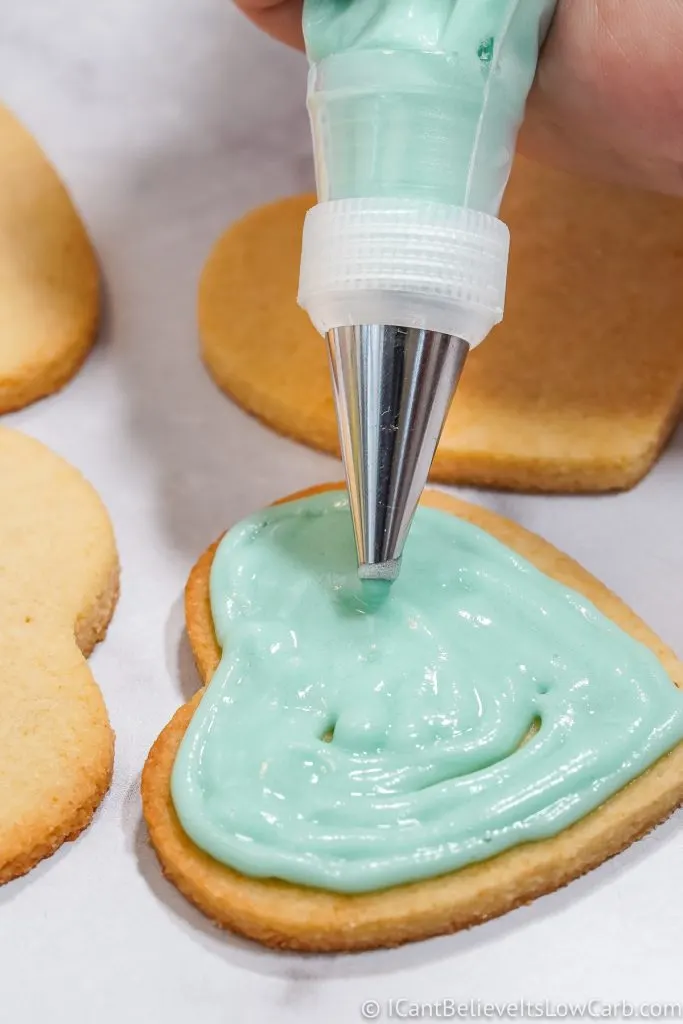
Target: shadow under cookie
x=577, y=391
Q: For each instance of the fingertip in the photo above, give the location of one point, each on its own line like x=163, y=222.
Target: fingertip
x=280, y=19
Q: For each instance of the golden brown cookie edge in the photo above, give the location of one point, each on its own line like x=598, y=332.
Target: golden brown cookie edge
x=90, y=630
x=67, y=353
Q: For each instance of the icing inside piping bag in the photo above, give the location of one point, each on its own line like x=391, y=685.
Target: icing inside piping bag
x=420, y=99
x=353, y=738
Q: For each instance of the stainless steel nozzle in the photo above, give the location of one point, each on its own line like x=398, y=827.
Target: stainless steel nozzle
x=393, y=388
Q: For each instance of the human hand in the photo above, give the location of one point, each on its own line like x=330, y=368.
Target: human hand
x=279, y=18
x=608, y=96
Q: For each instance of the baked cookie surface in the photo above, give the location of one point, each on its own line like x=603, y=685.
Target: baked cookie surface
x=49, y=281
x=293, y=916
x=577, y=390
x=59, y=582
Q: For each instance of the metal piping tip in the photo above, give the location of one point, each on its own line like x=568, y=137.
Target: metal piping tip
x=386, y=571
x=393, y=388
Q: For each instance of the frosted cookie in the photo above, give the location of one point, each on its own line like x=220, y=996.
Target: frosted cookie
x=577, y=390
x=58, y=587
x=48, y=274
x=369, y=767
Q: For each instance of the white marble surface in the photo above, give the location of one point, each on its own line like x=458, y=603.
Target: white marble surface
x=167, y=119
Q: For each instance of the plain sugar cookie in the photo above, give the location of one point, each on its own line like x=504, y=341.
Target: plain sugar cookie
x=58, y=586
x=290, y=916
x=49, y=300
x=577, y=390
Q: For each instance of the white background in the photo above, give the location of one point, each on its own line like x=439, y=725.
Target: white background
x=168, y=119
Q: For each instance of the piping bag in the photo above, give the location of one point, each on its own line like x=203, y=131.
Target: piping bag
x=415, y=106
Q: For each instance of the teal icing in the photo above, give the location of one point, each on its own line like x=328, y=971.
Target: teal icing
x=475, y=705
x=434, y=26
x=420, y=99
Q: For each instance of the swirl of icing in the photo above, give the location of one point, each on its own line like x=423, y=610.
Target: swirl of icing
x=356, y=737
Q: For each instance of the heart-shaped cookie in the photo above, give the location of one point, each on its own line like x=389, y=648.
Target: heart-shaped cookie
x=59, y=583
x=577, y=390
x=291, y=915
